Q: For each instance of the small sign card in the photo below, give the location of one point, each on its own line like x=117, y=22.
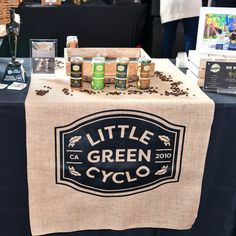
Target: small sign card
x=17, y=86
x=220, y=76
x=3, y=86
x=43, y=53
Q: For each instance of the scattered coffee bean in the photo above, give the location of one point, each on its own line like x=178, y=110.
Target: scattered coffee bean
x=41, y=92
x=163, y=77
x=59, y=64
x=66, y=91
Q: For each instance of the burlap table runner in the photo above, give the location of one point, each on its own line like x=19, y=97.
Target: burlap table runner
x=109, y=161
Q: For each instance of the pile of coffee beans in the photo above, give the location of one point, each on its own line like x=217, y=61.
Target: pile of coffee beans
x=163, y=77
x=44, y=91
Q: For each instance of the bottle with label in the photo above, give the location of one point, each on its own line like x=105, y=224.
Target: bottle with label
x=121, y=80
x=98, y=73
x=76, y=65
x=72, y=42
x=144, y=73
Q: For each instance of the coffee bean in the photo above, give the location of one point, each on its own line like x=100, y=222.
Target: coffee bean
x=41, y=92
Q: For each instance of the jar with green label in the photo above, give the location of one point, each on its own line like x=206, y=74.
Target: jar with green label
x=98, y=73
x=76, y=65
x=121, y=80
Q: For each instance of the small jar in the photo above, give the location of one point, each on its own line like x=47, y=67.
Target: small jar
x=144, y=73
x=72, y=42
x=76, y=80
x=98, y=73
x=121, y=80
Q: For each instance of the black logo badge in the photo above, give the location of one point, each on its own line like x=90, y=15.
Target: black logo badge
x=118, y=153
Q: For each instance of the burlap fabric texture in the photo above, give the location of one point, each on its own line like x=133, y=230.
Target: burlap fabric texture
x=114, y=189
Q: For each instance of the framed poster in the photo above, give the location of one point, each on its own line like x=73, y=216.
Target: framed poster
x=220, y=77
x=43, y=53
x=217, y=31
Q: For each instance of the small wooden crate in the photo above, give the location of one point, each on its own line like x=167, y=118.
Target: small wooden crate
x=110, y=54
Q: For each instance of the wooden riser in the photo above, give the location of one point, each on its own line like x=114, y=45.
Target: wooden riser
x=110, y=66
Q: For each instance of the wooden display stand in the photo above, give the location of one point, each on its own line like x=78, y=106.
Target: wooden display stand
x=110, y=54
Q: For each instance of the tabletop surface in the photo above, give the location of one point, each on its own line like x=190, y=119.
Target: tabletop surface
x=217, y=209
x=7, y=96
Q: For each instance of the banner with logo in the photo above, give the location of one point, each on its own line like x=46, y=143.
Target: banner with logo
x=116, y=160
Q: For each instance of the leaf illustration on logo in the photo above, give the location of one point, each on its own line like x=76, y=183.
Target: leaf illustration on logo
x=73, y=141
x=162, y=171
x=73, y=171
x=165, y=139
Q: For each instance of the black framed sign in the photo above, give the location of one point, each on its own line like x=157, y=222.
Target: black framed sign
x=43, y=53
x=220, y=76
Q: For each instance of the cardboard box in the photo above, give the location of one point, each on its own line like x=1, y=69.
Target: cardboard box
x=195, y=79
x=200, y=59
x=199, y=72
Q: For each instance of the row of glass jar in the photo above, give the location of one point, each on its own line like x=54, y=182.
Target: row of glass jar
x=98, y=73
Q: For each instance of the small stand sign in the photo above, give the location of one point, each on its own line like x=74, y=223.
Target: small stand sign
x=220, y=77
x=43, y=53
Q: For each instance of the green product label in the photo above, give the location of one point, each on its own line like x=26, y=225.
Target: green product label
x=98, y=69
x=121, y=70
x=97, y=83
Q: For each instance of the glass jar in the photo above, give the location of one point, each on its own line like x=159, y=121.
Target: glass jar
x=72, y=42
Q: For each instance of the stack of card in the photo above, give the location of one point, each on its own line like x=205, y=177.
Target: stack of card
x=197, y=64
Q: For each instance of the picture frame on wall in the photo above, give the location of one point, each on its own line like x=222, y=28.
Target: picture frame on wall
x=217, y=31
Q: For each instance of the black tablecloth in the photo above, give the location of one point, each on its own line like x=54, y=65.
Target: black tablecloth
x=96, y=24
x=217, y=212
x=225, y=3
